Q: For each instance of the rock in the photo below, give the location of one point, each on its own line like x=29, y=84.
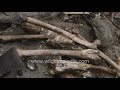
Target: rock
x=5, y=22
x=117, y=51
x=103, y=32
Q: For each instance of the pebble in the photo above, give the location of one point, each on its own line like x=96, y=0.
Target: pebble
x=30, y=67
x=1, y=50
x=11, y=30
x=32, y=76
x=84, y=77
x=81, y=25
x=17, y=76
x=42, y=29
x=87, y=74
x=46, y=73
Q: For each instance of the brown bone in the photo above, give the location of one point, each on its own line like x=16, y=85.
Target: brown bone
x=5, y=38
x=74, y=38
x=76, y=13
x=118, y=73
x=68, y=65
x=60, y=31
x=84, y=54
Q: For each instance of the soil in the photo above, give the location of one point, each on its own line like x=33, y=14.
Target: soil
x=73, y=24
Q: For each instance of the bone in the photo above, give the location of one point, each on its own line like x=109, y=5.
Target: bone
x=118, y=72
x=74, y=38
x=6, y=38
x=76, y=13
x=109, y=61
x=61, y=31
x=68, y=65
x=84, y=54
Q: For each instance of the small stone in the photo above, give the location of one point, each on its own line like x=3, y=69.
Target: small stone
x=84, y=77
x=30, y=67
x=11, y=30
x=17, y=76
x=32, y=77
x=42, y=29
x=1, y=50
x=87, y=74
x=81, y=25
x=51, y=72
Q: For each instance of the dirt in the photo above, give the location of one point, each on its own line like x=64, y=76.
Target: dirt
x=76, y=24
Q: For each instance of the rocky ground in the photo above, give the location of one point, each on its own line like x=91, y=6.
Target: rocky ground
x=72, y=24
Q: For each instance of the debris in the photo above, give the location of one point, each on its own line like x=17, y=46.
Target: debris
x=106, y=39
x=72, y=37
x=87, y=74
x=68, y=65
x=69, y=47
x=60, y=31
x=58, y=38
